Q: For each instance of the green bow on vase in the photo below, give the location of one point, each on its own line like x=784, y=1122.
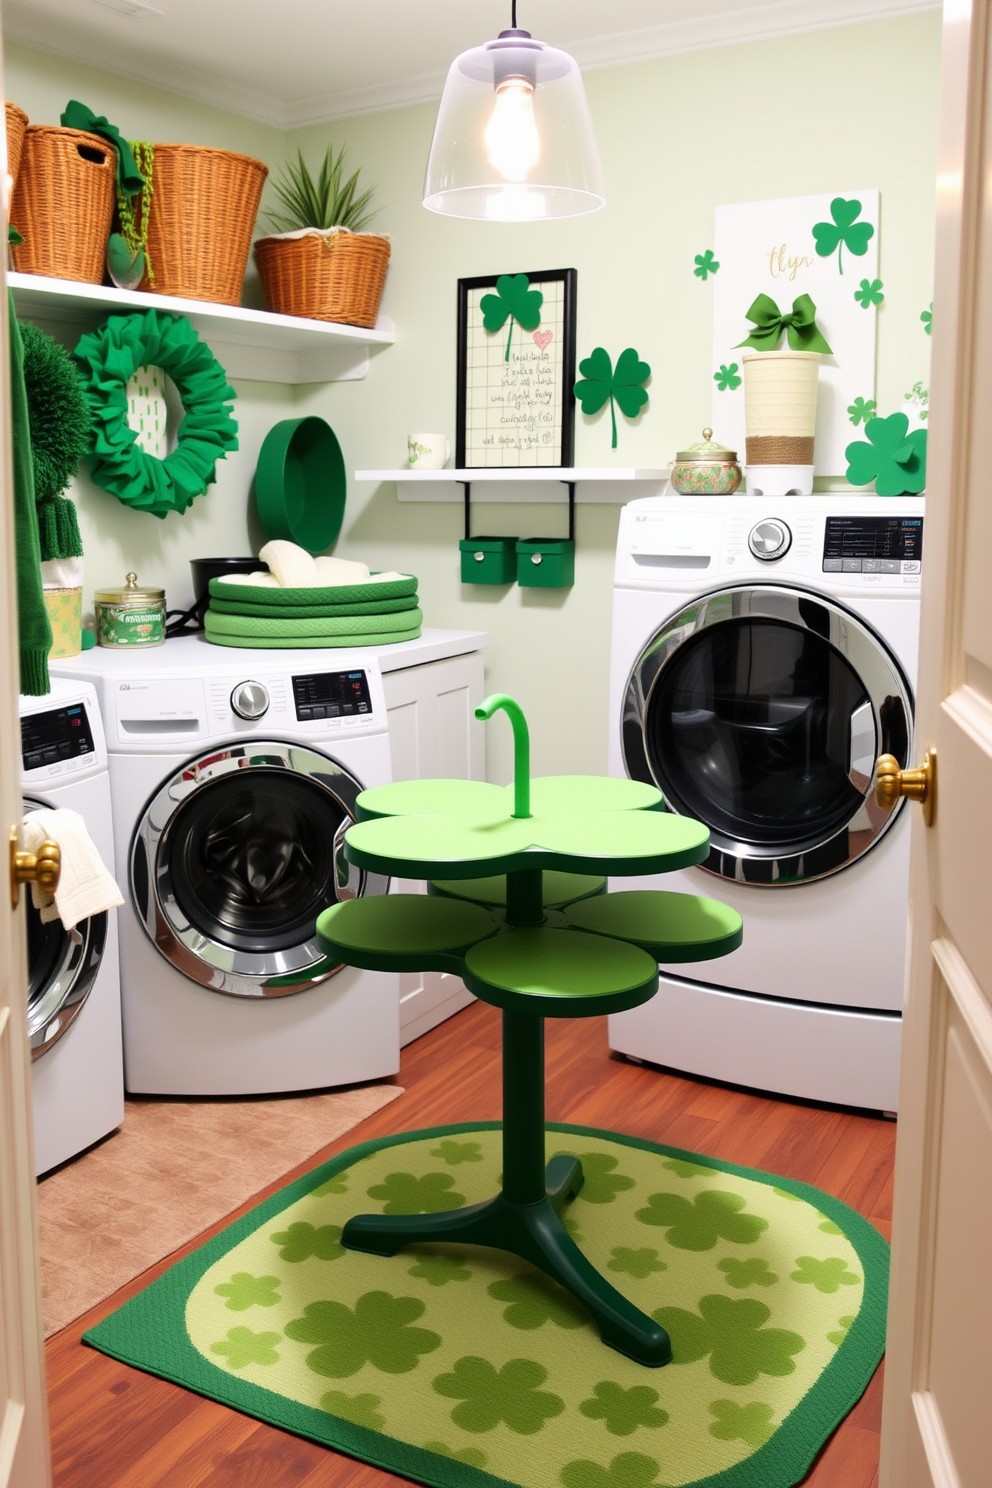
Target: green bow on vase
x=769, y=324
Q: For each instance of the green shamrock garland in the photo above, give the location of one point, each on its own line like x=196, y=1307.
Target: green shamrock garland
x=843, y=232
x=892, y=457
x=514, y=300
x=621, y=385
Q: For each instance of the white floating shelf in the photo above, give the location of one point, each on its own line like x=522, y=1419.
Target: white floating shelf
x=608, y=486
x=255, y=345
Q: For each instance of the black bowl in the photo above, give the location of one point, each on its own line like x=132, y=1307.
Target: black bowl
x=184, y=622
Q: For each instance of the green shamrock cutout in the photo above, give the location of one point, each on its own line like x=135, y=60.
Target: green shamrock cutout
x=752, y=1272
x=748, y=1423
x=827, y=1276
x=843, y=232
x=683, y=1169
x=514, y=300
x=705, y=264
x=627, y=1470
x=869, y=293
x=242, y=1347
x=621, y=386
x=927, y=318
x=244, y=1291
x=470, y=1456
x=860, y=411
x=697, y=1225
x=406, y=1194
x=488, y=1396
x=623, y=1411
x=843, y=1328
x=302, y=1240
x=454, y=1153
x=534, y=1300
x=727, y=379
x=640, y=1263
x=894, y=459
x=377, y=1331
x=601, y=1184
x=733, y=1334
x=361, y=1410
x=439, y=1269
x=336, y=1184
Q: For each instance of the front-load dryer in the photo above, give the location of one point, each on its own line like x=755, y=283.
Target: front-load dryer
x=74, y=1009
x=234, y=776
x=763, y=657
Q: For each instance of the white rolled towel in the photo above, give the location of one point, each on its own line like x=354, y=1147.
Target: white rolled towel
x=293, y=567
x=257, y=580
x=334, y=571
x=85, y=886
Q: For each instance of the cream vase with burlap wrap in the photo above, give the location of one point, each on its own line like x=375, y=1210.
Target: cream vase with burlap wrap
x=780, y=389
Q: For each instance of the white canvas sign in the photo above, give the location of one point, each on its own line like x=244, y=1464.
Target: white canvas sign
x=770, y=247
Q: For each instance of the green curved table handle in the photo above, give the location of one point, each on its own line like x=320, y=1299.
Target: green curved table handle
x=521, y=746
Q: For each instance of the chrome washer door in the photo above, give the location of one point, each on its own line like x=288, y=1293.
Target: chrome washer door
x=62, y=967
x=761, y=711
x=236, y=855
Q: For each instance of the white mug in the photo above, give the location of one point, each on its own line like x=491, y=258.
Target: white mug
x=427, y=451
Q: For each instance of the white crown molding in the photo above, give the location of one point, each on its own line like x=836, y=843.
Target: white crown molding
x=732, y=27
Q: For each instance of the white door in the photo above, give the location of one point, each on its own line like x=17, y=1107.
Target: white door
x=937, y=1416
x=24, y=1458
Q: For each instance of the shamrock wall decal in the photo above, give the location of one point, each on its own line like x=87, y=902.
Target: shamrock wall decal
x=869, y=293
x=622, y=385
x=843, y=231
x=861, y=410
x=727, y=379
x=514, y=300
x=927, y=318
x=894, y=459
x=706, y=264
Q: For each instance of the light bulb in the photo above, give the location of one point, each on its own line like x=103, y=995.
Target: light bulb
x=512, y=140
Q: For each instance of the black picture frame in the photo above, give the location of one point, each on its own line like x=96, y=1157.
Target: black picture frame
x=563, y=365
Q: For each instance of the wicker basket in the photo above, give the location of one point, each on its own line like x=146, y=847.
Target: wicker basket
x=64, y=203
x=328, y=276
x=17, y=122
x=204, y=204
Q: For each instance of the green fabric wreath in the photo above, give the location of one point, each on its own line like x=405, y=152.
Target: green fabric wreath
x=107, y=359
x=60, y=436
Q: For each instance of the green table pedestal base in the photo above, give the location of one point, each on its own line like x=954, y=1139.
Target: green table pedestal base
x=524, y=1218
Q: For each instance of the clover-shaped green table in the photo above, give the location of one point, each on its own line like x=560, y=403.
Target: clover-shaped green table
x=544, y=941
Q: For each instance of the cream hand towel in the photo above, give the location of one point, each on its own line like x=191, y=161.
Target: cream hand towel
x=293, y=567
x=257, y=580
x=62, y=573
x=333, y=571
x=85, y=887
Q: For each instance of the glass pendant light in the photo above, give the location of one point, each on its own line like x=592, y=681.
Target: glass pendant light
x=513, y=140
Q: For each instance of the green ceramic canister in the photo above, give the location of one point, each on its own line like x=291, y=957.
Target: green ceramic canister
x=132, y=616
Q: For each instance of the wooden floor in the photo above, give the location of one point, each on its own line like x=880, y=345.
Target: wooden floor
x=114, y=1427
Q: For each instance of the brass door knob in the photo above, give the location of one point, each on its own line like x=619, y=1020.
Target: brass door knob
x=43, y=867
x=919, y=784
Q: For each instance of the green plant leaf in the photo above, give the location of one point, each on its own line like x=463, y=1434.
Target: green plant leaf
x=514, y=300
x=601, y=382
x=489, y=1396
x=377, y=1331
x=325, y=202
x=843, y=232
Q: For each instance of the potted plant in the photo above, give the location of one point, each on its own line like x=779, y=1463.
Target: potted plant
x=320, y=263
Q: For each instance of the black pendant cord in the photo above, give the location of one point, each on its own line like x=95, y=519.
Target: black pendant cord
x=571, y=509
x=467, y=491
x=513, y=14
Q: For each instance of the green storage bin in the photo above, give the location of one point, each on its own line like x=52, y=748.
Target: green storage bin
x=546, y=562
x=488, y=560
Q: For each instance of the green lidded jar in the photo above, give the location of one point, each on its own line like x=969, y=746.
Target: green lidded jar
x=132, y=616
x=706, y=469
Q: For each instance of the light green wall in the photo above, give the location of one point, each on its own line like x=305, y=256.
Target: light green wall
x=824, y=111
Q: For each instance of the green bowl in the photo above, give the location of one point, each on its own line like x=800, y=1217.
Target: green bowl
x=300, y=483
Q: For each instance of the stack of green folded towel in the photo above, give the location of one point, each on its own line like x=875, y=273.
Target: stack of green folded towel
x=258, y=610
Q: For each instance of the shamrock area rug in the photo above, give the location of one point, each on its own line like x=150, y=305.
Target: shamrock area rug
x=461, y=1367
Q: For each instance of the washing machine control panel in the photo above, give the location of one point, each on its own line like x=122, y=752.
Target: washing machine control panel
x=769, y=539
x=58, y=740
x=331, y=695
x=250, y=700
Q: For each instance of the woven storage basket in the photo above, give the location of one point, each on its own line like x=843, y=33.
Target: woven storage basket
x=63, y=203
x=17, y=122
x=331, y=276
x=204, y=204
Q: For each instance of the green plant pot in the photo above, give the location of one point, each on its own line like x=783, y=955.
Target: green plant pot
x=488, y=560
x=546, y=562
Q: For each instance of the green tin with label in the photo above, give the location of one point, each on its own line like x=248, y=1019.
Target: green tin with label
x=546, y=562
x=132, y=616
x=488, y=560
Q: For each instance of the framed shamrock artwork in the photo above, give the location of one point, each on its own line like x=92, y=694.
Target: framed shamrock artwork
x=516, y=370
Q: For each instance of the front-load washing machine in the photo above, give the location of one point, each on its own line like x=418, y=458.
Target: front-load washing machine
x=763, y=656
x=234, y=776
x=74, y=1008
